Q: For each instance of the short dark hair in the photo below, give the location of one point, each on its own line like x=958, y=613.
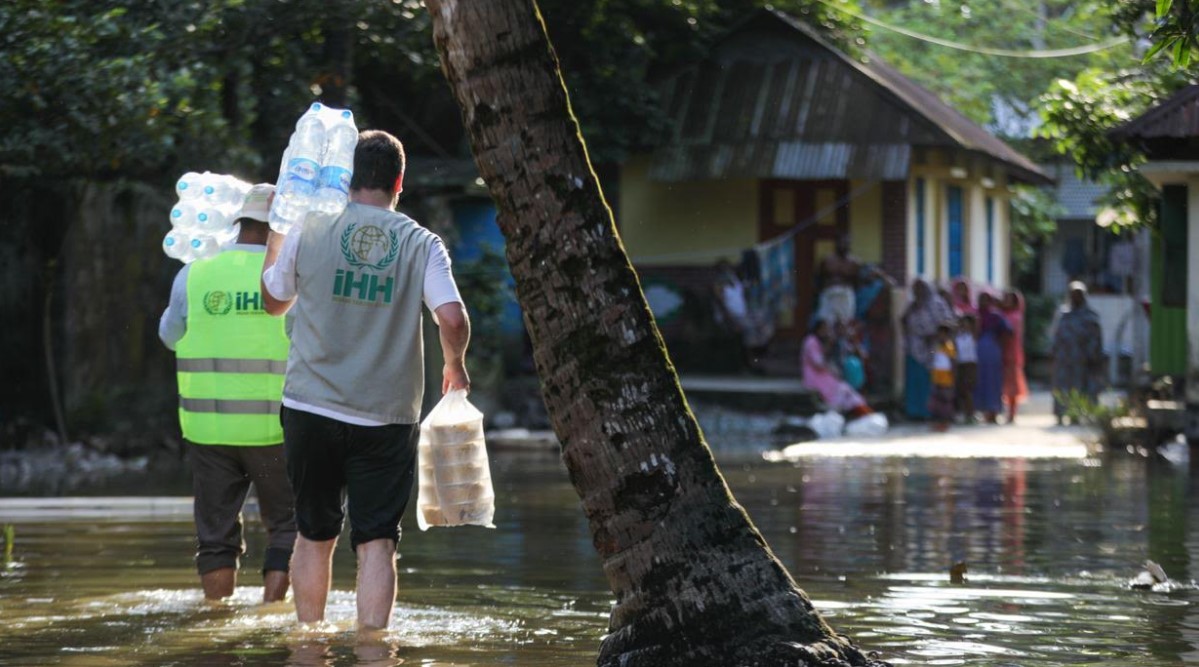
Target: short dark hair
x=378, y=161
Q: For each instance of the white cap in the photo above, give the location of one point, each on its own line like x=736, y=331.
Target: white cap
x=257, y=204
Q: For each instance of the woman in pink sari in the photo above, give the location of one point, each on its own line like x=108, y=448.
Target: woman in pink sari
x=1015, y=387
x=963, y=298
x=820, y=376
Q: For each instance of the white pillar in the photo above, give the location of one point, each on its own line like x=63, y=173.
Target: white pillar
x=1192, y=380
x=975, y=232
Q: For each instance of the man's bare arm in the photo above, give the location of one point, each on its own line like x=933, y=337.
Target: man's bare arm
x=272, y=305
x=454, y=329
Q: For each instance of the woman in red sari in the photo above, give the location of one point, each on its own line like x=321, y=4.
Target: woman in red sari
x=1015, y=387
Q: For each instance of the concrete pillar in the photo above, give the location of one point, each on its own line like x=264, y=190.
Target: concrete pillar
x=1192, y=381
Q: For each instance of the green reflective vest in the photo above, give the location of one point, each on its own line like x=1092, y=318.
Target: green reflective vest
x=231, y=361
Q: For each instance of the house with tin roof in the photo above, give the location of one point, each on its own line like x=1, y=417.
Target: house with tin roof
x=778, y=134
x=1168, y=136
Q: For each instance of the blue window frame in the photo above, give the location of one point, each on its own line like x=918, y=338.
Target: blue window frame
x=991, y=240
x=954, y=195
x=919, y=226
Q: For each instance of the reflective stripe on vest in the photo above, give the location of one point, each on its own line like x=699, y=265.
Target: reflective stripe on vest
x=231, y=360
x=211, y=365
x=230, y=407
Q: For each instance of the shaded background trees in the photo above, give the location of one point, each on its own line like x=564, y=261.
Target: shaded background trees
x=107, y=103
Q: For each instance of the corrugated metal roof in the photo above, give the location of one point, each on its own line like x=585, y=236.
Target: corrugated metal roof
x=774, y=100
x=1078, y=196
x=1175, y=118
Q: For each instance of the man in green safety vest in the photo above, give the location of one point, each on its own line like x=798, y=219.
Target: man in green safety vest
x=231, y=357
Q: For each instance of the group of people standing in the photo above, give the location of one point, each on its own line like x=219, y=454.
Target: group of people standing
x=963, y=356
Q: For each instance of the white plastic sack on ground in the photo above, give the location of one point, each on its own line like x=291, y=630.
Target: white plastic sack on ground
x=827, y=424
x=873, y=425
x=454, y=477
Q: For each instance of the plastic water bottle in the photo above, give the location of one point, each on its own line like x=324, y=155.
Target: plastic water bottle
x=293, y=196
x=183, y=216
x=203, y=247
x=223, y=192
x=211, y=219
x=202, y=221
x=334, y=190
x=176, y=245
x=188, y=187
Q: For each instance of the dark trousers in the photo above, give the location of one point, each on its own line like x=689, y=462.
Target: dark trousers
x=221, y=479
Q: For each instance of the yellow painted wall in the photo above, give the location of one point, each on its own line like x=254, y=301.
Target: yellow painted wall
x=685, y=223
x=866, y=221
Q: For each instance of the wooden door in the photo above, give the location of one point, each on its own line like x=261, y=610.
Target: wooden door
x=820, y=210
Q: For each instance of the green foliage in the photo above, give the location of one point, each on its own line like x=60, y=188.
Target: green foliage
x=1082, y=409
x=1034, y=220
x=88, y=91
x=147, y=90
x=1077, y=116
x=994, y=91
x=1176, y=34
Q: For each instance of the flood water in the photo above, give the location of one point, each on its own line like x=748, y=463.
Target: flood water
x=1050, y=543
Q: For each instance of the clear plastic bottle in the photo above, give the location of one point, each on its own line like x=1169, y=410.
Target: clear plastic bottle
x=188, y=186
x=211, y=219
x=203, y=247
x=334, y=190
x=183, y=216
x=293, y=196
x=176, y=245
x=222, y=192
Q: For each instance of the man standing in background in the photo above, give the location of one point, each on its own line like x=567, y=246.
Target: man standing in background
x=230, y=357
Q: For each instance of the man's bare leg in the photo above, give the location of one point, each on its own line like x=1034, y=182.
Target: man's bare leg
x=274, y=585
x=376, y=583
x=218, y=583
x=311, y=575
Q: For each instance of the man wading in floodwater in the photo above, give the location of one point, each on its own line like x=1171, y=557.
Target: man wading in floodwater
x=230, y=357
x=355, y=373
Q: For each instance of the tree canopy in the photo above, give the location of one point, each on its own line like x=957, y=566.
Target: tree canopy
x=146, y=90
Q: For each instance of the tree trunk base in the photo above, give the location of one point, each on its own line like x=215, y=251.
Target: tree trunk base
x=775, y=652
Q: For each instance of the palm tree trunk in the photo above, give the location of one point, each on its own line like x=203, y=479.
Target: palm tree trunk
x=695, y=583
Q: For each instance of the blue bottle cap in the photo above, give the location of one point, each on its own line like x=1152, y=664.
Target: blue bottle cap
x=208, y=189
x=196, y=243
x=316, y=106
x=203, y=217
x=170, y=241
x=176, y=213
x=182, y=185
x=346, y=114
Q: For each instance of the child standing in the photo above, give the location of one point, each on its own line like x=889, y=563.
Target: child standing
x=940, y=401
x=967, y=367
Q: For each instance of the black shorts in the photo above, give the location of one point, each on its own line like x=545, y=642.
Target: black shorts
x=372, y=467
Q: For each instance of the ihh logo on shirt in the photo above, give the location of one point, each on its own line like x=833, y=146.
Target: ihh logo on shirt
x=219, y=302
x=364, y=287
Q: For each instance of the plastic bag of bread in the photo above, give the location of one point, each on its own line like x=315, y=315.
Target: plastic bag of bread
x=455, y=479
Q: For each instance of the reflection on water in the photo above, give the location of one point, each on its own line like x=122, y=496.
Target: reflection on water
x=1050, y=543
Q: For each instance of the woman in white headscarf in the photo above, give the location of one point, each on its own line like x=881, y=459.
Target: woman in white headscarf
x=926, y=311
x=1077, y=351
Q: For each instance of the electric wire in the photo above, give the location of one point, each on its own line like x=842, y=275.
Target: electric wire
x=981, y=50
